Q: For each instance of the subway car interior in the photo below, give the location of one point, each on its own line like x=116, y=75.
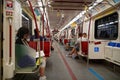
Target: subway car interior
x=59, y=39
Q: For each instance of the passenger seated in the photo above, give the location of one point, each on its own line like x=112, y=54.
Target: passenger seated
x=84, y=37
x=67, y=46
x=36, y=36
x=70, y=44
x=84, y=44
x=50, y=38
x=76, y=47
x=24, y=59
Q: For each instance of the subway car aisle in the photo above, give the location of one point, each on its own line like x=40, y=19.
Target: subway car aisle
x=55, y=68
x=61, y=67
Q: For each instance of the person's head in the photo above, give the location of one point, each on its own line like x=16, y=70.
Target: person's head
x=35, y=33
x=80, y=35
x=84, y=35
x=23, y=33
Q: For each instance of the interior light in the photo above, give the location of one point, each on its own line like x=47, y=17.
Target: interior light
x=90, y=7
x=62, y=15
x=58, y=13
x=94, y=4
x=116, y=21
x=25, y=17
x=111, y=23
x=49, y=5
x=98, y=1
x=107, y=24
x=39, y=3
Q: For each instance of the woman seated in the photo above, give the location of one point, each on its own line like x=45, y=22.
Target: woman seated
x=76, y=47
x=26, y=60
x=84, y=37
x=23, y=58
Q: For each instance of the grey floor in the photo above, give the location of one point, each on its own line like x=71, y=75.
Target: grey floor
x=57, y=69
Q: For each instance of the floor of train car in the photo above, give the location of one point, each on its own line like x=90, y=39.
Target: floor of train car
x=61, y=67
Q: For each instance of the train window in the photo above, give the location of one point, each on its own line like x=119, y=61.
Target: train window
x=107, y=27
x=27, y=21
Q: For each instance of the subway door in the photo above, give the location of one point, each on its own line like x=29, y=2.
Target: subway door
x=1, y=31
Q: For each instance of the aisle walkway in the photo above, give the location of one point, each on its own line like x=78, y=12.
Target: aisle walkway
x=60, y=67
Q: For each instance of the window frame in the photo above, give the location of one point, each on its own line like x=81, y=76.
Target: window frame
x=103, y=27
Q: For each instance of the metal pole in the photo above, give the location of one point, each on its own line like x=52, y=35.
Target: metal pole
x=34, y=17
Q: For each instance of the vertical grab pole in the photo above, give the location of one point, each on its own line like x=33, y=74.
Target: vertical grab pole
x=10, y=39
x=89, y=27
x=89, y=37
x=35, y=20
x=43, y=23
x=45, y=15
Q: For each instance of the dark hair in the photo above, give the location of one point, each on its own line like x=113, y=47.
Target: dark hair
x=35, y=33
x=85, y=34
x=22, y=31
x=80, y=34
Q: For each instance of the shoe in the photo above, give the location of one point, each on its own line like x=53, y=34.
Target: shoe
x=43, y=78
x=69, y=55
x=76, y=57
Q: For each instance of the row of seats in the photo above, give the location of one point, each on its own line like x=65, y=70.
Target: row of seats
x=45, y=46
x=114, y=44
x=112, y=52
x=84, y=46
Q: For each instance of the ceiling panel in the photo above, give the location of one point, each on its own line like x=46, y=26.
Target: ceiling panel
x=63, y=11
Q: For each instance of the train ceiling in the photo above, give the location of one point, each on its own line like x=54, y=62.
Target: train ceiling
x=61, y=12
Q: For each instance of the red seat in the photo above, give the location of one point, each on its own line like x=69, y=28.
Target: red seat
x=66, y=41
x=41, y=45
x=47, y=48
x=33, y=44
x=84, y=47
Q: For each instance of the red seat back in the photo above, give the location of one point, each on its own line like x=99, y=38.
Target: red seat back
x=33, y=44
x=84, y=47
x=66, y=41
x=41, y=45
x=47, y=48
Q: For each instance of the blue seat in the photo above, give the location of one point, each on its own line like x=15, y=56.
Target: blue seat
x=118, y=45
x=113, y=44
